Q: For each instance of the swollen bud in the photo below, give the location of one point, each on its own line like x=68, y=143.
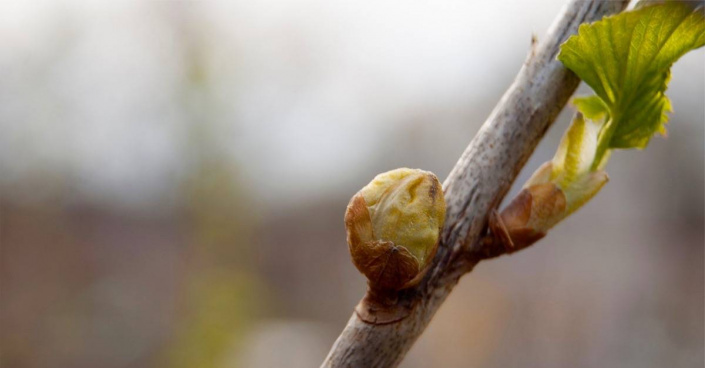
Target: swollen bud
x=393, y=225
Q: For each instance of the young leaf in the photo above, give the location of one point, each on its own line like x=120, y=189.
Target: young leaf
x=626, y=60
x=572, y=166
x=592, y=107
x=576, y=153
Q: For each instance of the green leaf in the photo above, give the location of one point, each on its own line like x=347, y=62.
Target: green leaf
x=592, y=107
x=576, y=153
x=626, y=60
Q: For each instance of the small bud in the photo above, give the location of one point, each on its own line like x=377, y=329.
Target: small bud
x=540, y=205
x=393, y=226
x=557, y=189
x=528, y=216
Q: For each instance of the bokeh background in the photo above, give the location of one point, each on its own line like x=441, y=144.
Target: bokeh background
x=173, y=177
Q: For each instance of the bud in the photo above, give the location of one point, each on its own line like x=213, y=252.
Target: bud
x=528, y=217
x=557, y=189
x=393, y=225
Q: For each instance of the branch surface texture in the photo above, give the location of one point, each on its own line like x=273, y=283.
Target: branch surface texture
x=476, y=185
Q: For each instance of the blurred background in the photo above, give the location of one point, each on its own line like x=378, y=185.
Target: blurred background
x=173, y=178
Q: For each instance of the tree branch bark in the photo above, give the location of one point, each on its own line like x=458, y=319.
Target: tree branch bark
x=475, y=186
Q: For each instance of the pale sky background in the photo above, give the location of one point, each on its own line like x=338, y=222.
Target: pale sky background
x=306, y=92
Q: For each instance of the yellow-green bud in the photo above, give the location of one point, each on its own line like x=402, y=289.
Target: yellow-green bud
x=393, y=225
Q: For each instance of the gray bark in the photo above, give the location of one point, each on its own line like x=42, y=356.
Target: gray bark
x=475, y=186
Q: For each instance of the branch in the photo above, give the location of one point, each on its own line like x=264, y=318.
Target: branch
x=475, y=186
